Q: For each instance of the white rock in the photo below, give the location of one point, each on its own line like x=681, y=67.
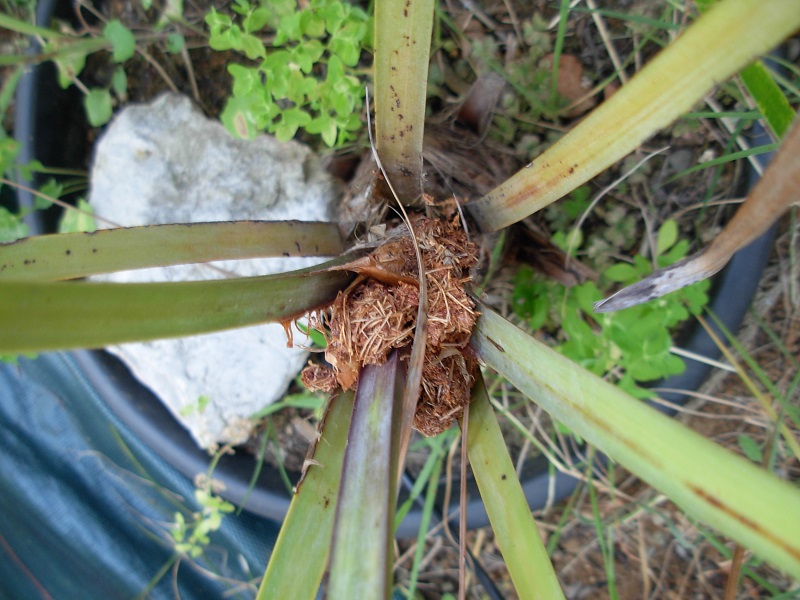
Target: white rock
x=166, y=163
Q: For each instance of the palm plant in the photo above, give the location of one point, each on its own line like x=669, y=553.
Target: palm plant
x=342, y=516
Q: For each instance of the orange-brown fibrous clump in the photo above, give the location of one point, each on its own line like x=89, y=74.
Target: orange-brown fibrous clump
x=378, y=313
x=319, y=378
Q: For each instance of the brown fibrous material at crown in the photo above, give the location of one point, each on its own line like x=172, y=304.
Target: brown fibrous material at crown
x=378, y=313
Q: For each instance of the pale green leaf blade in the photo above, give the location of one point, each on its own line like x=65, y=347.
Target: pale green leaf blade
x=512, y=523
x=67, y=256
x=364, y=531
x=25, y=28
x=35, y=317
x=403, y=41
x=300, y=555
x=724, y=490
x=718, y=44
x=769, y=98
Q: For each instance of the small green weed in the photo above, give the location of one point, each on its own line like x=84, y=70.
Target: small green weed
x=302, y=400
x=196, y=408
x=69, y=51
x=191, y=537
x=631, y=345
x=307, y=77
x=70, y=56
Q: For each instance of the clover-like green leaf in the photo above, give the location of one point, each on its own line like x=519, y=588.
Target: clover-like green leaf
x=667, y=236
x=256, y=20
x=252, y=47
x=324, y=126
x=98, y=106
x=291, y=120
x=216, y=20
x=11, y=226
x=123, y=44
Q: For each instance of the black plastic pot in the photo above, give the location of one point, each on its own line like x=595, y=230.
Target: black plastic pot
x=50, y=125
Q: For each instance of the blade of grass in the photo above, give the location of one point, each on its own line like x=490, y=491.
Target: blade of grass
x=72, y=255
x=514, y=528
x=563, y=17
x=605, y=542
x=435, y=447
x=640, y=20
x=719, y=43
x=726, y=158
x=749, y=115
x=437, y=459
x=361, y=551
x=766, y=403
x=7, y=92
x=271, y=437
x=57, y=49
x=706, y=480
x=36, y=317
x=403, y=35
x=300, y=555
x=25, y=28
x=769, y=98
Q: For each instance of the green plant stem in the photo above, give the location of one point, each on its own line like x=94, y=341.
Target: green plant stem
x=35, y=317
x=363, y=536
x=714, y=485
x=298, y=560
x=72, y=255
x=604, y=539
x=427, y=512
x=512, y=523
x=24, y=28
x=72, y=46
x=559, y=46
x=403, y=29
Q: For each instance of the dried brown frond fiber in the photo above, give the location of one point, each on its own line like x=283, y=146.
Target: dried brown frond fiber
x=378, y=312
x=319, y=378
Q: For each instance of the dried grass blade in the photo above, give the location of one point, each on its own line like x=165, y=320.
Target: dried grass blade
x=772, y=196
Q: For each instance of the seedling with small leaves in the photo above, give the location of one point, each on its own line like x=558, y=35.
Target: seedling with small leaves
x=308, y=77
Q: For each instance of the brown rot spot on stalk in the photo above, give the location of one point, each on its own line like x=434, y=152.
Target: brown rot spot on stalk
x=718, y=504
x=496, y=345
x=378, y=312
